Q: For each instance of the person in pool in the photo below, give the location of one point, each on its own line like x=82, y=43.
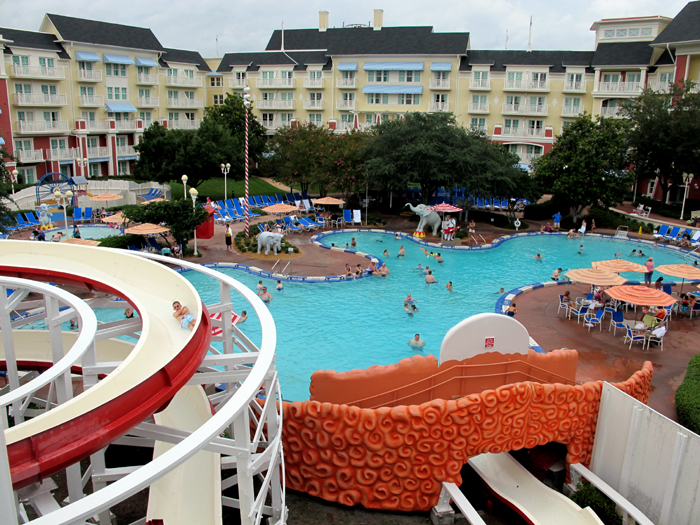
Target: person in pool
x=265, y=295
x=398, y=236
x=502, y=290
x=353, y=243
x=242, y=318
x=260, y=284
x=386, y=253
x=416, y=342
x=580, y=249
x=402, y=252
x=449, y=286
x=383, y=271
x=538, y=256
x=279, y=286
x=408, y=301
x=430, y=278
x=556, y=274
x=419, y=267
x=129, y=313
x=411, y=309
x=439, y=258
x=183, y=315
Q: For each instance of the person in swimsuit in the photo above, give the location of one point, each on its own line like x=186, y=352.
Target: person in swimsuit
x=439, y=258
x=129, y=313
x=512, y=310
x=449, y=286
x=398, y=236
x=386, y=253
x=279, y=286
x=384, y=271
x=243, y=317
x=502, y=290
x=408, y=301
x=402, y=252
x=556, y=274
x=413, y=308
x=416, y=342
x=430, y=278
x=265, y=295
x=260, y=285
x=358, y=270
x=183, y=315
x=353, y=243
x=538, y=256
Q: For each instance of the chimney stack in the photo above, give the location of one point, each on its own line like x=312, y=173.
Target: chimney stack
x=378, y=19
x=322, y=21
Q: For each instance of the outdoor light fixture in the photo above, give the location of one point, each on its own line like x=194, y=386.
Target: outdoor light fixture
x=687, y=178
x=246, y=204
x=193, y=194
x=184, y=183
x=225, y=168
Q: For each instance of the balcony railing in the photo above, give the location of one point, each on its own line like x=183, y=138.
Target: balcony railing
x=39, y=99
x=479, y=84
x=238, y=83
x=619, y=87
x=89, y=75
x=477, y=107
x=525, y=109
x=123, y=151
x=30, y=155
x=54, y=73
x=537, y=85
x=144, y=78
x=571, y=86
x=347, y=83
x=313, y=104
x=275, y=104
x=518, y=85
x=439, y=83
x=62, y=154
x=531, y=156
x=523, y=85
x=522, y=132
x=611, y=112
x=96, y=125
x=184, y=81
x=662, y=87
x=100, y=151
x=270, y=124
x=345, y=105
x=344, y=126
x=185, y=102
x=91, y=100
x=38, y=126
x=184, y=124
x=275, y=83
x=149, y=102
x=316, y=83
x=126, y=125
x=436, y=107
x=571, y=111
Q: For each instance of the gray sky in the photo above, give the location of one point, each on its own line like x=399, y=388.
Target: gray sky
x=246, y=25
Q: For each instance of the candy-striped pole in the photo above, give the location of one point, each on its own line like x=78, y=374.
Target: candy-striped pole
x=246, y=103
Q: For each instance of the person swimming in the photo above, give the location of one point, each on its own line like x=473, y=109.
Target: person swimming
x=439, y=258
x=279, y=286
x=402, y=252
x=449, y=286
x=416, y=342
x=411, y=309
x=538, y=256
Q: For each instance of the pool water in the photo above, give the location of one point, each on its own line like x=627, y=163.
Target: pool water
x=360, y=323
x=88, y=232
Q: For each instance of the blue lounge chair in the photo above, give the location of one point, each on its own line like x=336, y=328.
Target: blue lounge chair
x=591, y=319
x=308, y=223
x=265, y=200
x=633, y=337
x=22, y=223
x=347, y=216
x=31, y=220
x=261, y=227
x=674, y=233
x=152, y=243
x=258, y=202
x=279, y=198
x=662, y=231
x=87, y=214
x=289, y=198
x=10, y=227
x=77, y=214
x=133, y=248
x=240, y=211
x=223, y=205
x=304, y=195
x=668, y=289
x=689, y=231
x=617, y=321
x=297, y=197
x=290, y=226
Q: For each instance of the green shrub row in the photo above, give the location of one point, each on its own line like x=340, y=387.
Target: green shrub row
x=688, y=397
x=588, y=496
x=250, y=244
x=605, y=218
x=543, y=211
x=122, y=241
x=499, y=220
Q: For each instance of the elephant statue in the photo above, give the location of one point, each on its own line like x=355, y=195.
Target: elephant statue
x=44, y=218
x=427, y=218
x=270, y=240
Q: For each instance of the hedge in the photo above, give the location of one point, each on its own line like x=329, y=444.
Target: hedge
x=688, y=397
x=122, y=241
x=542, y=211
x=587, y=495
x=499, y=220
x=605, y=218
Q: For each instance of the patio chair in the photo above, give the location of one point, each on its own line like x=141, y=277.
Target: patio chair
x=77, y=214
x=290, y=226
x=153, y=245
x=289, y=198
x=319, y=220
x=88, y=214
x=279, y=198
x=305, y=221
x=9, y=227
x=265, y=200
x=610, y=307
x=240, y=211
x=357, y=217
x=31, y=220
x=634, y=336
x=251, y=201
x=578, y=311
x=678, y=239
x=22, y=223
x=695, y=309
x=562, y=304
x=307, y=206
x=662, y=231
x=297, y=197
x=261, y=227
x=589, y=319
x=674, y=233
x=695, y=239
x=337, y=223
x=258, y=202
x=658, y=339
x=305, y=195
x=347, y=216
x=617, y=321
x=645, y=212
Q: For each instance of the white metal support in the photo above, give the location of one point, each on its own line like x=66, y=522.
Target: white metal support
x=240, y=430
x=630, y=449
x=674, y=472
x=8, y=503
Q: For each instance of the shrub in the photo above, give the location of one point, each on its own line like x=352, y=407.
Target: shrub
x=688, y=397
x=605, y=218
x=499, y=220
x=122, y=241
x=373, y=220
x=543, y=211
x=588, y=496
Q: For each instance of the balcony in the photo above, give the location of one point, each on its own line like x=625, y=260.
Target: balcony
x=274, y=104
x=347, y=83
x=184, y=124
x=271, y=124
x=146, y=79
x=237, y=83
x=89, y=75
x=662, y=87
x=41, y=126
x=531, y=156
x=275, y=83
x=39, y=99
x=522, y=132
x=91, y=100
x=30, y=155
x=571, y=86
x=476, y=107
x=618, y=88
x=62, y=154
x=185, y=102
x=525, y=109
x=313, y=104
x=123, y=151
x=612, y=112
x=98, y=152
x=480, y=85
x=345, y=126
x=437, y=107
x=345, y=105
x=148, y=102
x=439, y=84
x=184, y=81
x=40, y=72
x=97, y=125
x=125, y=125
x=571, y=111
x=315, y=83
x=522, y=85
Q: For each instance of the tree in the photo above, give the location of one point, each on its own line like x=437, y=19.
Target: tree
x=177, y=215
x=587, y=164
x=664, y=138
x=5, y=180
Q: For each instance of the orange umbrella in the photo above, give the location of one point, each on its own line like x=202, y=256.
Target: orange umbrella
x=82, y=242
x=117, y=218
x=619, y=266
x=595, y=276
x=328, y=200
x=159, y=199
x=640, y=295
x=105, y=197
x=684, y=271
x=280, y=208
x=147, y=229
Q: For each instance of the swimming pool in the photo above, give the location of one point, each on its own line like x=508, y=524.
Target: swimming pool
x=88, y=232
x=356, y=324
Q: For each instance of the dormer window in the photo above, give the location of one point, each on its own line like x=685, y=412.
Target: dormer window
x=621, y=33
x=609, y=33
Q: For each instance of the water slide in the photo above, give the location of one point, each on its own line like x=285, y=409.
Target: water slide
x=529, y=497
x=148, y=377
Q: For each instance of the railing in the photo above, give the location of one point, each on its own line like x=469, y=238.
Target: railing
x=345, y=105
x=479, y=84
x=525, y=109
x=125, y=150
x=275, y=104
x=476, y=107
x=522, y=132
x=536, y=85
x=531, y=156
x=145, y=78
x=313, y=104
x=523, y=85
x=438, y=106
x=571, y=111
x=30, y=155
x=56, y=73
x=185, y=102
x=619, y=87
x=239, y=83
x=514, y=84
x=184, y=81
x=450, y=491
x=662, y=87
x=184, y=124
x=95, y=125
x=39, y=99
x=89, y=75
x=126, y=124
x=91, y=100
x=611, y=112
x=575, y=86
x=313, y=83
x=62, y=154
x=149, y=102
x=345, y=125
x=347, y=82
x=275, y=82
x=100, y=151
x=271, y=124
x=36, y=126
x=439, y=83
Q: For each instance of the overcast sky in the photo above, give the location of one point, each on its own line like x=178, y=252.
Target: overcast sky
x=246, y=25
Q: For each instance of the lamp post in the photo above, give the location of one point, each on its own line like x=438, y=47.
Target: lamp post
x=246, y=103
x=193, y=194
x=687, y=177
x=184, y=182
x=83, y=163
x=225, y=168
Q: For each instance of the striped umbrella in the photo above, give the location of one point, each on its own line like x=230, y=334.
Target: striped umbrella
x=619, y=266
x=595, y=276
x=640, y=295
x=684, y=271
x=445, y=208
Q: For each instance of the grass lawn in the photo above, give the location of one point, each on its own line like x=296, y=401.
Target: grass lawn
x=214, y=188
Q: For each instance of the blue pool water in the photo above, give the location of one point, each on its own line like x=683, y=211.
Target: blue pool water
x=360, y=323
x=88, y=232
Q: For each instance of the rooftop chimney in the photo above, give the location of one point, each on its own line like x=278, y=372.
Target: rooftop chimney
x=378, y=19
x=322, y=21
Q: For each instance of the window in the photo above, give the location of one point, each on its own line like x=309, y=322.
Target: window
x=116, y=93
x=190, y=115
x=442, y=75
x=25, y=175
x=646, y=31
x=268, y=119
x=48, y=91
x=146, y=117
x=287, y=74
x=513, y=101
x=377, y=98
x=621, y=33
x=108, y=70
x=478, y=123
x=316, y=119
x=122, y=167
x=610, y=103
x=349, y=75
x=408, y=99
x=215, y=81
x=377, y=76
x=92, y=142
x=514, y=79
x=572, y=102
x=173, y=115
x=345, y=118
x=539, y=77
x=115, y=70
x=480, y=101
x=172, y=94
x=58, y=143
x=25, y=116
x=287, y=95
x=85, y=66
x=566, y=124
x=537, y=101
x=218, y=100
x=144, y=93
x=118, y=116
x=315, y=96
x=18, y=60
x=479, y=75
x=634, y=77
x=268, y=95
x=609, y=33
x=369, y=118
x=23, y=145
x=172, y=72
x=88, y=115
x=143, y=70
x=348, y=97
x=121, y=141
x=315, y=75
x=25, y=89
x=633, y=32
x=286, y=118
x=51, y=116
x=94, y=169
x=189, y=94
x=189, y=73
x=87, y=91
x=512, y=124
x=441, y=98
x=409, y=76
x=46, y=63
x=611, y=77
x=535, y=126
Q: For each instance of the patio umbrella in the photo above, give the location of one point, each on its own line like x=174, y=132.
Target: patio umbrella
x=117, y=218
x=280, y=208
x=619, y=266
x=445, y=208
x=106, y=197
x=82, y=242
x=640, y=295
x=595, y=276
x=159, y=199
x=684, y=271
x=147, y=229
x=328, y=200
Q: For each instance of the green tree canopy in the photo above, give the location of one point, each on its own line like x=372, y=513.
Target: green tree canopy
x=178, y=215
x=587, y=164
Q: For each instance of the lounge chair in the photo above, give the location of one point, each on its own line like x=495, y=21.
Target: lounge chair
x=87, y=214
x=589, y=319
x=251, y=201
x=153, y=244
x=153, y=193
x=297, y=197
x=219, y=218
x=688, y=231
x=662, y=231
x=258, y=202
x=695, y=239
x=634, y=336
x=266, y=202
x=674, y=233
x=133, y=248
x=290, y=226
x=347, y=216
x=305, y=221
x=578, y=311
x=22, y=223
x=305, y=195
x=289, y=198
x=357, y=217
x=617, y=321
x=307, y=206
x=31, y=220
x=240, y=212
x=645, y=212
x=280, y=198
x=261, y=227
x=77, y=214
x=9, y=227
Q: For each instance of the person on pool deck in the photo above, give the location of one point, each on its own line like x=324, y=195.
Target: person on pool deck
x=439, y=258
x=557, y=220
x=592, y=225
x=566, y=299
x=265, y=295
x=358, y=270
x=183, y=315
x=538, y=256
x=416, y=341
x=449, y=286
x=556, y=274
x=243, y=317
x=129, y=313
x=659, y=284
x=402, y=252
x=512, y=310
x=279, y=286
x=582, y=229
x=430, y=278
x=546, y=228
x=348, y=272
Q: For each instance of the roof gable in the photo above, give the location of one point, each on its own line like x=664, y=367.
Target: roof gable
x=181, y=56
x=623, y=54
x=499, y=59
x=33, y=40
x=685, y=27
x=104, y=33
x=296, y=59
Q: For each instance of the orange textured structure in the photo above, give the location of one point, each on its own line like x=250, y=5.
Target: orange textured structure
x=396, y=458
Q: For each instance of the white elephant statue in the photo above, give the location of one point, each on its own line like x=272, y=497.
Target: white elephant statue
x=428, y=218
x=270, y=240
x=44, y=218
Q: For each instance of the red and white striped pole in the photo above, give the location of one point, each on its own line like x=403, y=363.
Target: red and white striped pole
x=246, y=103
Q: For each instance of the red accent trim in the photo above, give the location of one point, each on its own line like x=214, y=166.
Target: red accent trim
x=34, y=458
x=681, y=65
